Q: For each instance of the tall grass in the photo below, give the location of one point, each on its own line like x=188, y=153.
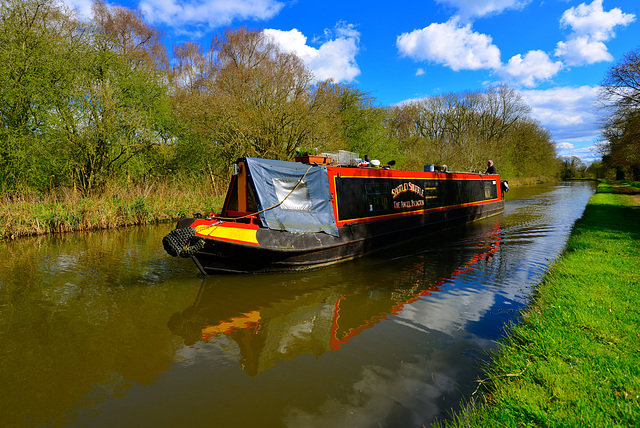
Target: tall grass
x=574, y=358
x=119, y=204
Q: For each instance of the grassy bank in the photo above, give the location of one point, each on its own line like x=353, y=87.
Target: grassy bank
x=119, y=205
x=573, y=360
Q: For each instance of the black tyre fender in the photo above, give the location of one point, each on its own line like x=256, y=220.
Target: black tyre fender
x=180, y=242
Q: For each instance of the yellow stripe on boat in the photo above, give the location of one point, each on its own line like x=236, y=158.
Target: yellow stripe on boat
x=227, y=233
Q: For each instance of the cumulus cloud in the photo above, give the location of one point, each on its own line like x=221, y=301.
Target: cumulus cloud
x=451, y=44
x=333, y=59
x=471, y=8
x=591, y=26
x=536, y=66
x=565, y=146
x=582, y=50
x=568, y=112
x=210, y=13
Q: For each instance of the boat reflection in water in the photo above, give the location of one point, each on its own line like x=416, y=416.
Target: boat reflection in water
x=321, y=311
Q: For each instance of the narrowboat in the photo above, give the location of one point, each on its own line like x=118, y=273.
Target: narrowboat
x=282, y=216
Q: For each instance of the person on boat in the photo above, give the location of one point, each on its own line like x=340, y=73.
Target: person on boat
x=491, y=168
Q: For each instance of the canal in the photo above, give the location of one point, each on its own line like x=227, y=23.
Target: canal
x=104, y=329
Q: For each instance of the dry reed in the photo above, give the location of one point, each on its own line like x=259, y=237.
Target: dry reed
x=65, y=209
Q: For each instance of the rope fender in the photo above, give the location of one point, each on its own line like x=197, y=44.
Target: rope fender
x=176, y=242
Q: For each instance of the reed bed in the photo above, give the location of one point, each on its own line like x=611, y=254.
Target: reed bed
x=118, y=205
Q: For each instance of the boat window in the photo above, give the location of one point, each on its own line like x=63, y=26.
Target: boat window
x=299, y=199
x=490, y=189
x=377, y=196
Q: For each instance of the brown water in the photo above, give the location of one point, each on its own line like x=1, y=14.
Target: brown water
x=104, y=329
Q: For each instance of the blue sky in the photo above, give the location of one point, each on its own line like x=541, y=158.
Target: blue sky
x=555, y=52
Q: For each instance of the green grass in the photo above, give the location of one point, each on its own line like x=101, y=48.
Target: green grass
x=573, y=360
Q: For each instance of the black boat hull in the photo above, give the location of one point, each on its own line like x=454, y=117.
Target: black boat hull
x=280, y=251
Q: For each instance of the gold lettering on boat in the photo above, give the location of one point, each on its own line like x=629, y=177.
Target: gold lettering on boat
x=407, y=187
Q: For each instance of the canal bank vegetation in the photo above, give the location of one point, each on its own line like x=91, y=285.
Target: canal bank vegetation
x=66, y=210
x=89, y=106
x=572, y=359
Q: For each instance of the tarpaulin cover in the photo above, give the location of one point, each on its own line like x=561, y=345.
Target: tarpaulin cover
x=307, y=209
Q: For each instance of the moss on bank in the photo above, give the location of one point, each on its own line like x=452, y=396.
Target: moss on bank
x=574, y=357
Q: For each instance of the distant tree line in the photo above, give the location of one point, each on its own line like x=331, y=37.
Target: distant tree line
x=620, y=96
x=464, y=130
x=87, y=103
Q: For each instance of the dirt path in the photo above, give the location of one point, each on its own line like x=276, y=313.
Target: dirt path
x=628, y=190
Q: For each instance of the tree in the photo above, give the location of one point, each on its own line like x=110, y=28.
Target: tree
x=620, y=96
x=130, y=36
x=245, y=97
x=530, y=149
x=40, y=47
x=463, y=130
x=361, y=126
x=597, y=170
x=79, y=102
x=119, y=108
x=573, y=167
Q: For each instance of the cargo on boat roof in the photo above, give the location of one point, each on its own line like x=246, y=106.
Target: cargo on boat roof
x=280, y=215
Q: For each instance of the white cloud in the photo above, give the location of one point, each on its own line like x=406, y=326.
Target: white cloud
x=470, y=8
x=420, y=72
x=211, y=13
x=528, y=71
x=582, y=50
x=591, y=26
x=565, y=146
x=568, y=112
x=591, y=20
x=450, y=44
x=334, y=59
x=292, y=41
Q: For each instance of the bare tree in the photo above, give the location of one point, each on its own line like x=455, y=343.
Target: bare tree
x=248, y=98
x=129, y=35
x=465, y=129
x=620, y=95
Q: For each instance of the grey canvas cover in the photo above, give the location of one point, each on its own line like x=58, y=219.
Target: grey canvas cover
x=307, y=209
